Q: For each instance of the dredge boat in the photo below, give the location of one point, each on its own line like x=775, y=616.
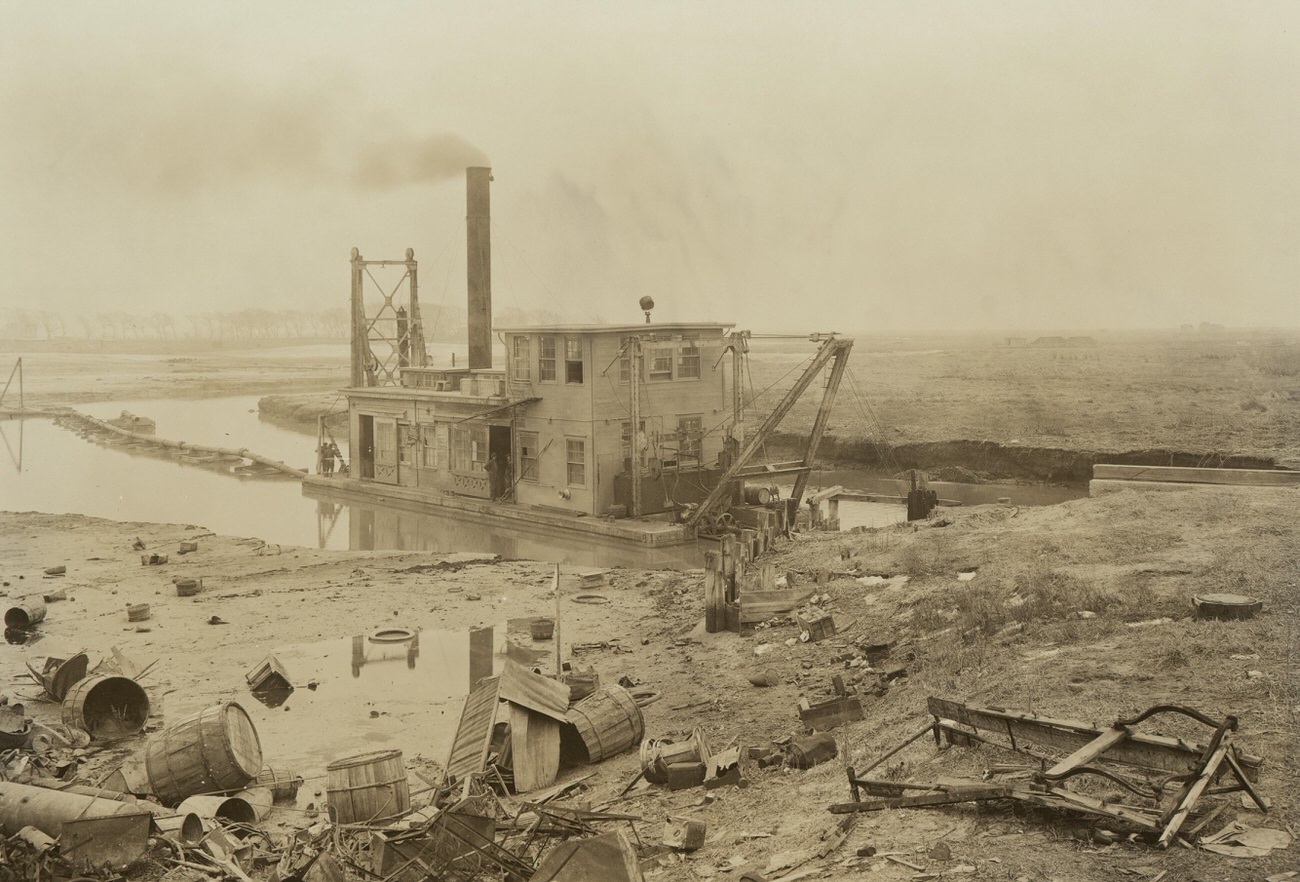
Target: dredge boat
x=633, y=432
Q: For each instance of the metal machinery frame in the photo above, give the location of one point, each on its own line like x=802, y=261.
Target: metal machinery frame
x=834, y=350
x=395, y=329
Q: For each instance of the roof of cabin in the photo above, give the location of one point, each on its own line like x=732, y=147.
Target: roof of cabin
x=653, y=328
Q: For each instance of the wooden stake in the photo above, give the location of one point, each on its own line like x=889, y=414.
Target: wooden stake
x=555, y=583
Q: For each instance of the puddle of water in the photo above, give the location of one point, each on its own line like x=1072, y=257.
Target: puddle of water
x=380, y=690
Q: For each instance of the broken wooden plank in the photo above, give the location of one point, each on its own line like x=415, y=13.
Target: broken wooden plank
x=1148, y=751
x=949, y=797
x=1088, y=752
x=537, y=693
x=534, y=748
x=469, y=747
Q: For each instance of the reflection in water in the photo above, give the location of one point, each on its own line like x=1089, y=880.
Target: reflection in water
x=18, y=636
x=395, y=686
x=273, y=696
x=384, y=645
x=370, y=527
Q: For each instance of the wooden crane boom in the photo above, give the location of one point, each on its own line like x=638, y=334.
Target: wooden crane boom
x=833, y=348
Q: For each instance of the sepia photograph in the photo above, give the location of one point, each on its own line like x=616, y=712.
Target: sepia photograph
x=650, y=441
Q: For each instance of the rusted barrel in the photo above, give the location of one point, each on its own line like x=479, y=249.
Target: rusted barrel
x=605, y=723
x=214, y=750
x=106, y=707
x=367, y=787
x=542, y=629
x=283, y=785
x=26, y=612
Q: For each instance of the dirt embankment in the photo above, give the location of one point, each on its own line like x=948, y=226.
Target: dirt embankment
x=975, y=461
x=302, y=412
x=1075, y=611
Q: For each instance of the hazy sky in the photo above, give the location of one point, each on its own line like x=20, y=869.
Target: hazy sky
x=856, y=165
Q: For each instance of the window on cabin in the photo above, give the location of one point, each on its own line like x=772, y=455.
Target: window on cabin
x=469, y=446
x=688, y=360
x=575, y=458
x=573, y=359
x=429, y=447
x=521, y=367
x=661, y=363
x=404, y=434
x=546, y=359
x=690, y=436
x=528, y=454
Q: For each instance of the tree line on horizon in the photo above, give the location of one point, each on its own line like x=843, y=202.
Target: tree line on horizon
x=441, y=324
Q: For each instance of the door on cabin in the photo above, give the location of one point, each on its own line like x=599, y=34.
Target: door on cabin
x=366, y=443
x=386, y=441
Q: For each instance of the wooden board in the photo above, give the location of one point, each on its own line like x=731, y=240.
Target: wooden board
x=534, y=748
x=473, y=734
x=830, y=714
x=1174, y=474
x=537, y=693
x=759, y=606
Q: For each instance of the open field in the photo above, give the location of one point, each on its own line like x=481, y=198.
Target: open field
x=1203, y=396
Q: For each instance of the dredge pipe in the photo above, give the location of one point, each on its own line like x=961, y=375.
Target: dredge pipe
x=202, y=448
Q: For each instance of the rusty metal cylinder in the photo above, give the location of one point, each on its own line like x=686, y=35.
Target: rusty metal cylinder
x=22, y=805
x=26, y=613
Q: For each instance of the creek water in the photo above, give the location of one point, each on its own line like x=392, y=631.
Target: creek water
x=47, y=468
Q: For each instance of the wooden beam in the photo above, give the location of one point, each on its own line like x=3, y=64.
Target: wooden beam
x=970, y=794
x=1088, y=752
x=823, y=417
x=829, y=349
x=1176, y=474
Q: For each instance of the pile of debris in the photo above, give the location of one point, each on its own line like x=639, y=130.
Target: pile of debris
x=1172, y=774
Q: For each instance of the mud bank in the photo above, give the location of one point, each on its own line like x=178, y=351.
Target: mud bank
x=301, y=412
x=979, y=461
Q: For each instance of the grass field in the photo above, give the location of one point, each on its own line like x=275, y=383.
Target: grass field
x=1227, y=394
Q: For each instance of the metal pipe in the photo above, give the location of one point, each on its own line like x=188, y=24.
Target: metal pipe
x=479, y=265
x=22, y=805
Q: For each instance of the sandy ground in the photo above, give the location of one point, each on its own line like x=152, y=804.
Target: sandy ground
x=1050, y=623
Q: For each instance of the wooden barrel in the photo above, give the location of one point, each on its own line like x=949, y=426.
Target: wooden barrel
x=215, y=750
x=606, y=723
x=757, y=495
x=283, y=785
x=106, y=707
x=367, y=787
x=137, y=612
x=188, y=587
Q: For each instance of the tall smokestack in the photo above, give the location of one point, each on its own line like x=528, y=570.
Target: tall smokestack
x=479, y=266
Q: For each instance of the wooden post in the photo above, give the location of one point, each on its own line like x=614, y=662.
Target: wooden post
x=555, y=583
x=767, y=577
x=729, y=567
x=712, y=590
